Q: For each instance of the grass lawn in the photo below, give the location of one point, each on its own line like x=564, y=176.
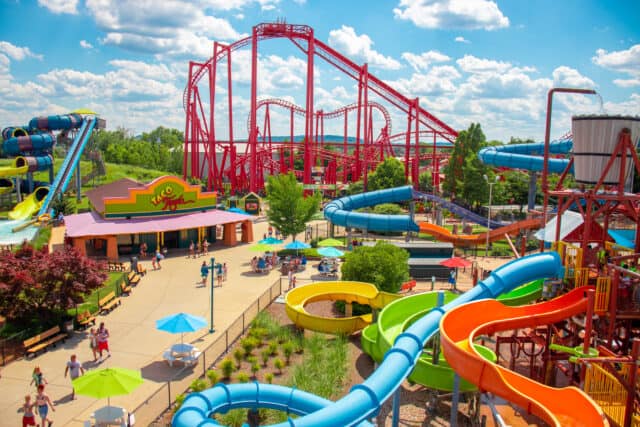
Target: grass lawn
x=91, y=302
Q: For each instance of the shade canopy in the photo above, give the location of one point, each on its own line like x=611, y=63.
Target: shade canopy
x=181, y=322
x=297, y=245
x=330, y=242
x=239, y=211
x=261, y=247
x=330, y=252
x=107, y=382
x=270, y=241
x=456, y=262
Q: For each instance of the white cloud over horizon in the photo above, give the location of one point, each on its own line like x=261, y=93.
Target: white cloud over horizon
x=347, y=41
x=452, y=14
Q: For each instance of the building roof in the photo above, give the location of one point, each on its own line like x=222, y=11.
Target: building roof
x=119, y=188
x=91, y=224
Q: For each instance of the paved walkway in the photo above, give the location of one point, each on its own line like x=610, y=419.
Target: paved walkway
x=135, y=343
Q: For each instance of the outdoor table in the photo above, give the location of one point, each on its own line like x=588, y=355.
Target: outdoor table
x=181, y=350
x=109, y=415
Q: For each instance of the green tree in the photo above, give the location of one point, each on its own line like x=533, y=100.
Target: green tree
x=289, y=211
x=385, y=265
x=355, y=188
x=388, y=174
x=387, y=209
x=425, y=182
x=463, y=173
x=64, y=204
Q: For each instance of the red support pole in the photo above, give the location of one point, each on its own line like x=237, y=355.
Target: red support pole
x=292, y=150
x=344, y=146
x=253, y=137
x=212, y=166
x=365, y=123
x=416, y=160
x=187, y=136
x=357, y=160
x=407, y=145
x=308, y=134
x=230, y=104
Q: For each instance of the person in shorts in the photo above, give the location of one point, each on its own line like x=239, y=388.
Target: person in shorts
x=28, y=416
x=102, y=337
x=74, y=369
x=43, y=402
x=204, y=272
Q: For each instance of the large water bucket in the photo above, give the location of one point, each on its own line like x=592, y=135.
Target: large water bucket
x=594, y=139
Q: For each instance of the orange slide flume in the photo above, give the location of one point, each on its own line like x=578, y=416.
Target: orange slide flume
x=559, y=407
x=444, y=235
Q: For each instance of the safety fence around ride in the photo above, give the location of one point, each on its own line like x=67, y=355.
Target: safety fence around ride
x=162, y=399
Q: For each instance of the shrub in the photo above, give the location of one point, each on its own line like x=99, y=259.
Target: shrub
x=265, y=355
x=238, y=354
x=259, y=334
x=227, y=367
x=179, y=401
x=273, y=348
x=233, y=418
x=213, y=377
x=252, y=360
x=255, y=367
x=242, y=377
x=287, y=350
x=248, y=344
x=268, y=377
x=198, y=385
x=278, y=364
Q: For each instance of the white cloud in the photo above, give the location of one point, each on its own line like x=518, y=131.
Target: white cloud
x=16, y=52
x=239, y=16
x=624, y=61
x=349, y=43
x=627, y=82
x=170, y=28
x=437, y=81
x=567, y=76
x=60, y=6
x=452, y=14
x=422, y=61
x=472, y=64
x=461, y=39
x=85, y=44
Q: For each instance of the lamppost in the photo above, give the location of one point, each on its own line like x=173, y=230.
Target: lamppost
x=491, y=184
x=212, y=270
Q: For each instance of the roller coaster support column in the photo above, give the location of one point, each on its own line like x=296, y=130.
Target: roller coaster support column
x=253, y=136
x=365, y=122
x=308, y=127
x=531, y=196
x=415, y=174
x=547, y=136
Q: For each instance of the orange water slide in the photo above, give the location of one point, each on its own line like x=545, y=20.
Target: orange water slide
x=556, y=406
x=445, y=235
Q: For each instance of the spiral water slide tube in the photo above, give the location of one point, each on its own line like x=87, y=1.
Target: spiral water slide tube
x=557, y=407
x=461, y=240
x=339, y=211
x=364, y=400
x=526, y=156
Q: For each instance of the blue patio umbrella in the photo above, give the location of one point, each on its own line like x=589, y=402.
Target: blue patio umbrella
x=270, y=241
x=330, y=252
x=239, y=211
x=180, y=323
x=297, y=245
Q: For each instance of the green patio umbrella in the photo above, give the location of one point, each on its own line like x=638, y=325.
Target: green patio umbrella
x=261, y=247
x=330, y=242
x=107, y=382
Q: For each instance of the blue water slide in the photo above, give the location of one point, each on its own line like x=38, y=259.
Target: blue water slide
x=38, y=143
x=364, y=400
x=60, y=122
x=459, y=210
x=526, y=156
x=340, y=211
x=70, y=163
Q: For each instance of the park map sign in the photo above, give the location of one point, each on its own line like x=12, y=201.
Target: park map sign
x=167, y=195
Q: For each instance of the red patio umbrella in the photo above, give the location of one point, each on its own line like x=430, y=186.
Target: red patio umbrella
x=456, y=262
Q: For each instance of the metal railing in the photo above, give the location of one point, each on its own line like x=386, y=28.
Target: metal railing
x=162, y=399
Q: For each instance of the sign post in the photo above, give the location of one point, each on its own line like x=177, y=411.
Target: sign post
x=212, y=269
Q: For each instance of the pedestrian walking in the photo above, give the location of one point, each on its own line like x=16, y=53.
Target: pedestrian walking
x=204, y=272
x=192, y=250
x=290, y=277
x=74, y=369
x=219, y=273
x=224, y=272
x=143, y=250
x=293, y=282
x=37, y=377
x=28, y=416
x=102, y=338
x=93, y=344
x=43, y=402
x=205, y=246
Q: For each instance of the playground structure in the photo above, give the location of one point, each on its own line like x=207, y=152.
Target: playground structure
x=33, y=145
x=221, y=160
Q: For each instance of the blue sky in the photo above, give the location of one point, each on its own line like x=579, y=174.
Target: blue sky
x=482, y=61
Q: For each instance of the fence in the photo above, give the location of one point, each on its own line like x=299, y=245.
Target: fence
x=11, y=348
x=162, y=399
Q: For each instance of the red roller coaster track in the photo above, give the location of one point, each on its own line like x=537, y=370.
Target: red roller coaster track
x=219, y=160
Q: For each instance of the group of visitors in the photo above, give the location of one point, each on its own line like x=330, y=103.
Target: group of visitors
x=220, y=271
x=98, y=342
x=199, y=249
x=262, y=264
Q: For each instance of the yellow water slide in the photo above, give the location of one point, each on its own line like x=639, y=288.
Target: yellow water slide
x=362, y=293
x=30, y=205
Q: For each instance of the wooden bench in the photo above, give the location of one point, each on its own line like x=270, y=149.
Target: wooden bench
x=108, y=302
x=408, y=286
x=124, y=288
x=85, y=318
x=43, y=340
x=141, y=270
x=115, y=266
x=132, y=278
